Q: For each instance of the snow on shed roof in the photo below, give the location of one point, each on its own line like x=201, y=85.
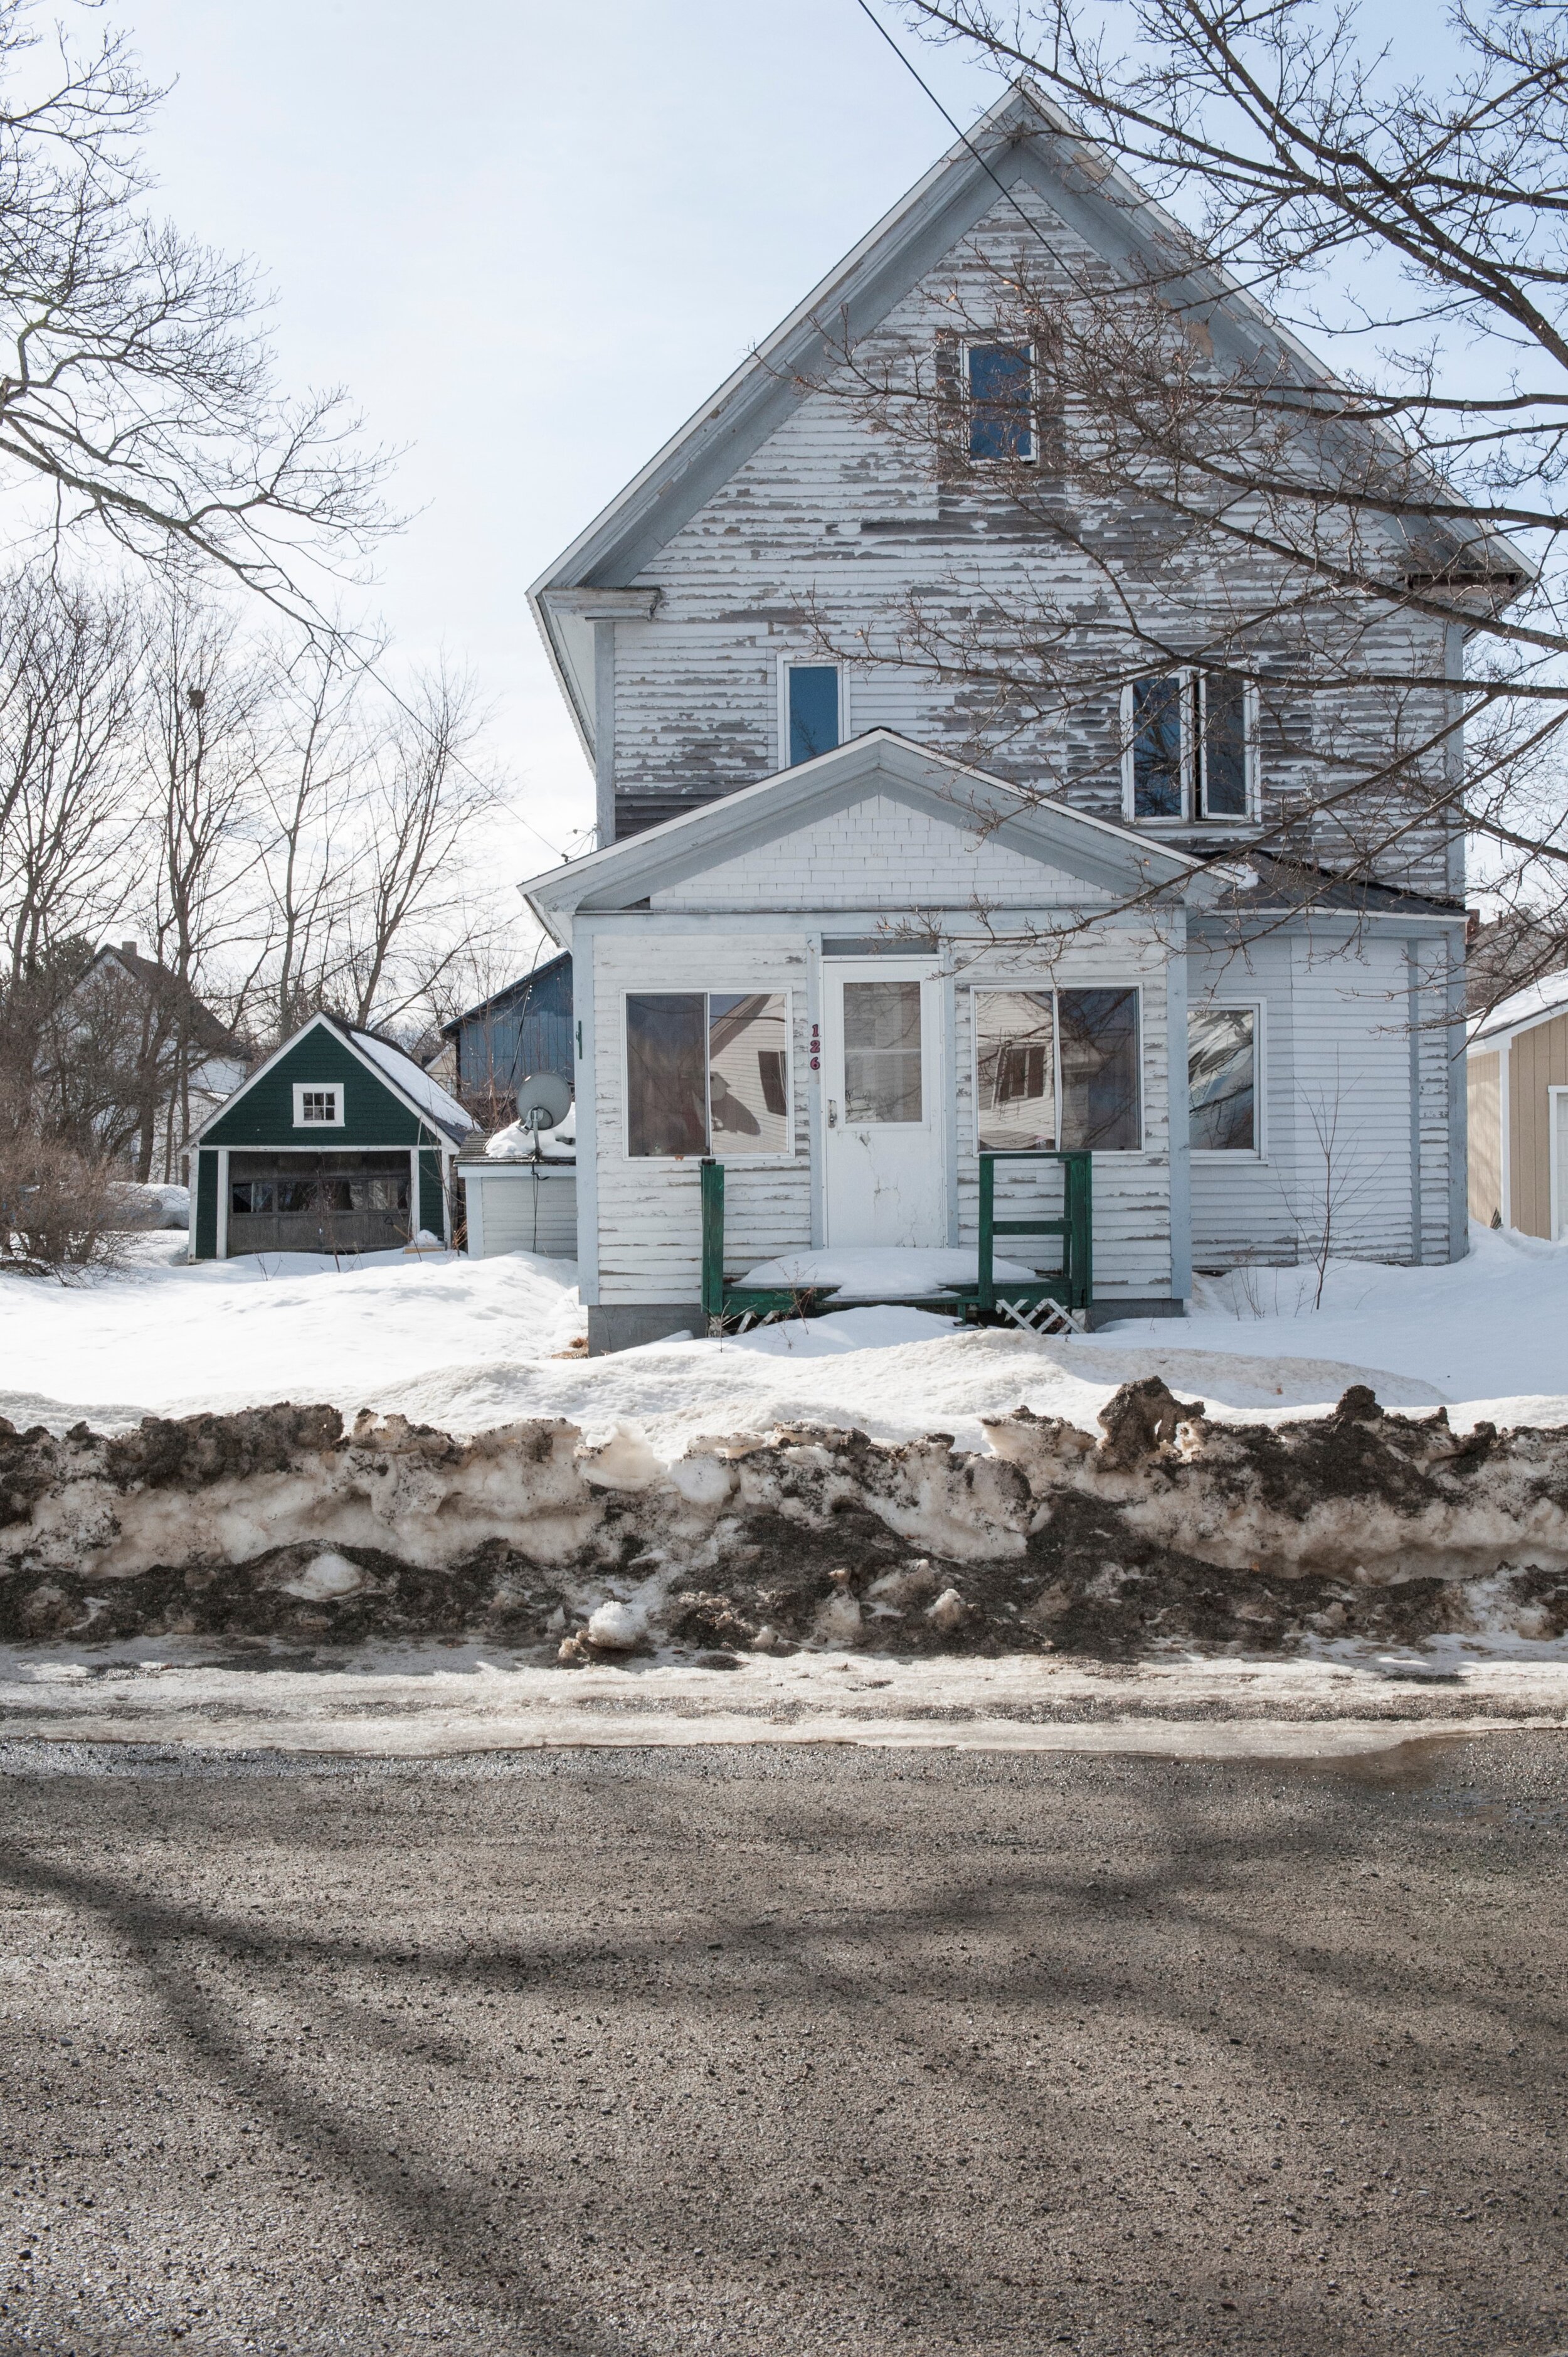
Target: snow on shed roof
x=428, y=1094
x=1536, y=1002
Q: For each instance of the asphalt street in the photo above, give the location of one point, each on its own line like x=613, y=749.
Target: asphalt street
x=747, y=2050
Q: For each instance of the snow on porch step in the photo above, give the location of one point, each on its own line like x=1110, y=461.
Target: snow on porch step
x=882, y=1272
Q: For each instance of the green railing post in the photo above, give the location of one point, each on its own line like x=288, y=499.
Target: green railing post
x=713, y=1181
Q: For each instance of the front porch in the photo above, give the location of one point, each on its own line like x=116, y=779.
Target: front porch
x=1036, y=1298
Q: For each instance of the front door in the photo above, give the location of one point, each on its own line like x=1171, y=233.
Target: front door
x=883, y=1105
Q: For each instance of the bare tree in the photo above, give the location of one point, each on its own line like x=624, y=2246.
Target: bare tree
x=413, y=914
x=1375, y=545
x=137, y=391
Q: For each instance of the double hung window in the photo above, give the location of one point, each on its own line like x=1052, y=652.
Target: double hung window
x=707, y=1072
x=1000, y=381
x=1190, y=746
x=1057, y=1067
x=1224, y=1113
x=813, y=715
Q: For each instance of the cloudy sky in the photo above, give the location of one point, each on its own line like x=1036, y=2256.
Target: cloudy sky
x=530, y=239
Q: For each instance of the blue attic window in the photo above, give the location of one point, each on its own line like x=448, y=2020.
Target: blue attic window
x=811, y=704
x=1000, y=401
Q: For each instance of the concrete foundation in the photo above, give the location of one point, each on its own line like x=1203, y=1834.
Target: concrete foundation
x=624, y=1326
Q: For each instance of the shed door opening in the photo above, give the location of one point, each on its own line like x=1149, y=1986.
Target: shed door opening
x=318, y=1203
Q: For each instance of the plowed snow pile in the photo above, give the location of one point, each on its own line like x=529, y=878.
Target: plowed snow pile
x=1165, y=1529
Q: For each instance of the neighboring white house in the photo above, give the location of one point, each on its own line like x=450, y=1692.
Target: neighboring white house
x=841, y=939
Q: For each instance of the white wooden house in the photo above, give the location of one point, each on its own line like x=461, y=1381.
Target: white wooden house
x=841, y=940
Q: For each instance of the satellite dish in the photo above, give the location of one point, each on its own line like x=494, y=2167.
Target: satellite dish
x=543, y=1099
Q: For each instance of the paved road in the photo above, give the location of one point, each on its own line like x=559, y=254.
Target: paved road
x=771, y=2052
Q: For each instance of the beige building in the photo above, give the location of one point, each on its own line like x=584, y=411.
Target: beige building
x=1517, y=1073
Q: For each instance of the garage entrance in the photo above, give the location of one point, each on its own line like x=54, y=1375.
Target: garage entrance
x=334, y=1203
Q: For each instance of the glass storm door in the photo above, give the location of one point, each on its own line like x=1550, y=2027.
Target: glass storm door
x=883, y=1105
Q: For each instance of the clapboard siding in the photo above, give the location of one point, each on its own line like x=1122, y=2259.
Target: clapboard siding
x=1132, y=1191
x=1484, y=1077
x=1538, y=1061
x=650, y=1213
x=832, y=531
x=1344, y=1135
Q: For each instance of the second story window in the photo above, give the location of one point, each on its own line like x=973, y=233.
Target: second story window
x=1000, y=386
x=813, y=715
x=1189, y=748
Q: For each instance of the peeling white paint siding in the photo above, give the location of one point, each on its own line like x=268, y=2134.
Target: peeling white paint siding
x=650, y=1213
x=828, y=514
x=1337, y=1034
x=1132, y=1191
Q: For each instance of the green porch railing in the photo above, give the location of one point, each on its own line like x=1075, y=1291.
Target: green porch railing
x=1074, y=1288
x=1013, y=1298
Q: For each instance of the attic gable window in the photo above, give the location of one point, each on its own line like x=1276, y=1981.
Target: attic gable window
x=317, y=1105
x=1000, y=384
x=813, y=710
x=1189, y=748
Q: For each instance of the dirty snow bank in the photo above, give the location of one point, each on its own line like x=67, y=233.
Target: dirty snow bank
x=1168, y=1528
x=1490, y=1331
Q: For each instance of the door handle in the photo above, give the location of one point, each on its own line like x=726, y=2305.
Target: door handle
x=832, y=1112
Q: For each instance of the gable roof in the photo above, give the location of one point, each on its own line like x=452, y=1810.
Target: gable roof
x=523, y=988
x=204, y=1029
x=1537, y=1003
x=1023, y=137
x=1096, y=850
x=422, y=1096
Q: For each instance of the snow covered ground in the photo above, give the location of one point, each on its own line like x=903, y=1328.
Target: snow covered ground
x=466, y=1344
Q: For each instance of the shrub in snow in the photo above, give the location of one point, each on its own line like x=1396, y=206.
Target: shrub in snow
x=58, y=1210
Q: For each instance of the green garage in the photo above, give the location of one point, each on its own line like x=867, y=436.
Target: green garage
x=338, y=1144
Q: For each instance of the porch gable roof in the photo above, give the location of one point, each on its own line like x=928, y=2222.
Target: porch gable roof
x=1103, y=856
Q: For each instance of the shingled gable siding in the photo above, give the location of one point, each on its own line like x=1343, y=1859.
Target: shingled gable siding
x=262, y=1115
x=828, y=514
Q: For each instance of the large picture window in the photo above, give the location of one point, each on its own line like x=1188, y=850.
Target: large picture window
x=707, y=1072
x=1190, y=740
x=1223, y=1079
x=1057, y=1067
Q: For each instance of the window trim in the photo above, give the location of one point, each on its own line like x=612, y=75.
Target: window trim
x=1014, y=982
x=792, y=659
x=994, y=343
x=1190, y=676
x=302, y=1089
x=706, y=990
x=1259, y=1150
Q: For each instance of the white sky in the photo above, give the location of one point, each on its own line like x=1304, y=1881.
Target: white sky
x=530, y=239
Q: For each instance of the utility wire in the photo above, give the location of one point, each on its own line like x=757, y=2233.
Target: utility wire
x=910, y=67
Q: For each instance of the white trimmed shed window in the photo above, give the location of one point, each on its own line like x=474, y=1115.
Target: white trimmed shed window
x=317, y=1105
x=1057, y=1067
x=1222, y=1079
x=707, y=1072
x=1190, y=746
